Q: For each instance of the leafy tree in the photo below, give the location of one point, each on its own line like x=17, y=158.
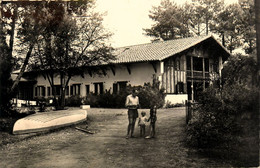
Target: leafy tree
x=202, y=14
x=257, y=16
x=14, y=15
x=170, y=22
x=19, y=31
x=240, y=70
x=28, y=33
x=71, y=41
x=235, y=24
x=248, y=26
x=5, y=71
x=8, y=21
x=173, y=21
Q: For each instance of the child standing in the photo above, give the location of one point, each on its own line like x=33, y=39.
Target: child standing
x=152, y=120
x=141, y=123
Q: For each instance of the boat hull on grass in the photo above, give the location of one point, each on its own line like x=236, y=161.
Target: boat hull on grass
x=48, y=121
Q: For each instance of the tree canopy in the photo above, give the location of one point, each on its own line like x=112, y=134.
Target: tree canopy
x=70, y=41
x=233, y=23
x=56, y=37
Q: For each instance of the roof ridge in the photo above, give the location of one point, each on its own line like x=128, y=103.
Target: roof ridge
x=166, y=41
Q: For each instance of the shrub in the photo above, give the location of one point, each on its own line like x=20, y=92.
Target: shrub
x=91, y=100
x=212, y=122
x=73, y=101
x=215, y=120
x=168, y=104
x=150, y=95
x=5, y=79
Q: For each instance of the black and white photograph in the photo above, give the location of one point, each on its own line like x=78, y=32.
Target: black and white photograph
x=129, y=83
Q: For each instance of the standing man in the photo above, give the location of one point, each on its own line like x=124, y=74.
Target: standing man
x=132, y=103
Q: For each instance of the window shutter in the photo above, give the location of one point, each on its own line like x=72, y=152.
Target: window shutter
x=79, y=89
x=36, y=91
x=71, y=90
x=43, y=91
x=101, y=88
x=87, y=89
x=114, y=88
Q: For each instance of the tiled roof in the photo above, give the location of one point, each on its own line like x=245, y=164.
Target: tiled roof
x=156, y=51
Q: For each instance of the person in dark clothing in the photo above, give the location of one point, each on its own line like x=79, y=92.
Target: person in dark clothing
x=152, y=120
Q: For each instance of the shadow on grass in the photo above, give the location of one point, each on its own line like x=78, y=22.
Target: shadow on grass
x=244, y=152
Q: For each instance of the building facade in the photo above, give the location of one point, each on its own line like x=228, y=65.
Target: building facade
x=183, y=67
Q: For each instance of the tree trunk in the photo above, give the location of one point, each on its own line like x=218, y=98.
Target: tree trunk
x=207, y=26
x=257, y=19
x=28, y=55
x=62, y=94
x=231, y=45
x=54, y=96
x=5, y=70
x=198, y=29
x=11, y=42
x=223, y=40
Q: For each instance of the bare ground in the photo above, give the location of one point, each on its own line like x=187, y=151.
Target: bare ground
x=108, y=146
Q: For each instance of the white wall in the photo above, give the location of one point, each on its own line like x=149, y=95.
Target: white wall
x=176, y=98
x=140, y=74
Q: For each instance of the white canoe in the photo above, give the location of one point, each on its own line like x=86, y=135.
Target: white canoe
x=49, y=120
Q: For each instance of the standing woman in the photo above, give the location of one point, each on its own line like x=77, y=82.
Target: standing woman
x=132, y=103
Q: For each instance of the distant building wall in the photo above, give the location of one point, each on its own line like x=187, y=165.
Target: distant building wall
x=138, y=74
x=176, y=98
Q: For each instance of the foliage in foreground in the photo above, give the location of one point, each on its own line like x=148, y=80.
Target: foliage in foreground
x=5, y=77
x=148, y=95
x=216, y=120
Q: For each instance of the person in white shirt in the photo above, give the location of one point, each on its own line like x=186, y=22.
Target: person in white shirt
x=142, y=123
x=132, y=103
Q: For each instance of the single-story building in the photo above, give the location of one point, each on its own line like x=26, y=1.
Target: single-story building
x=183, y=67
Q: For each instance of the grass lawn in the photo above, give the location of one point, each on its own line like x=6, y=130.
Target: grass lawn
x=169, y=147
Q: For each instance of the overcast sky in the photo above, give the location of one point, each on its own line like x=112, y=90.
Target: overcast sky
x=127, y=18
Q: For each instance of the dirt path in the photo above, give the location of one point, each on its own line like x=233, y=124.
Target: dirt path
x=108, y=146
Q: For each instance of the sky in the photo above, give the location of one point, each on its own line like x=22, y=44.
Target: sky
x=126, y=19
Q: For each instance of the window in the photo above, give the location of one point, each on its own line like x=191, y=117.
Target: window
x=115, y=88
x=180, y=87
x=87, y=89
x=40, y=91
x=188, y=62
x=67, y=90
x=206, y=62
x=49, y=91
x=36, y=91
x=197, y=64
x=122, y=86
x=177, y=64
x=57, y=88
x=75, y=89
x=98, y=88
x=119, y=86
x=215, y=67
x=206, y=84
